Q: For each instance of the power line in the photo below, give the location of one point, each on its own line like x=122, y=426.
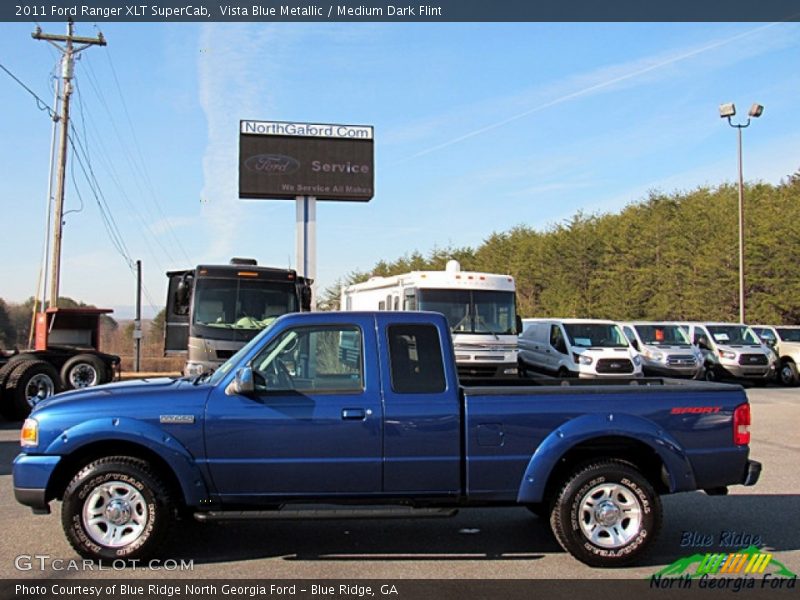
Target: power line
x=41, y=104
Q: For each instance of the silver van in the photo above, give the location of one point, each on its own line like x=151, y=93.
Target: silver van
x=665, y=349
x=732, y=350
x=576, y=348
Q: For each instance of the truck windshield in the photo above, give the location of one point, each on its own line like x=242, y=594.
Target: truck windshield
x=595, y=335
x=241, y=304
x=733, y=334
x=667, y=335
x=788, y=335
x=472, y=311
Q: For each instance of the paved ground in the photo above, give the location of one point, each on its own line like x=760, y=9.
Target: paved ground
x=478, y=543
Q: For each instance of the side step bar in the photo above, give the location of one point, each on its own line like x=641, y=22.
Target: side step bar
x=295, y=513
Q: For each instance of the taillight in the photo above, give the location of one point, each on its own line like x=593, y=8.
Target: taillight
x=741, y=425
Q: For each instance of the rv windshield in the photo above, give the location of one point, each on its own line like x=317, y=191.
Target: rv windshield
x=733, y=334
x=595, y=335
x=472, y=311
x=241, y=304
x=667, y=335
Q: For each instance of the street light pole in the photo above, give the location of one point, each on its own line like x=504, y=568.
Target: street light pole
x=728, y=111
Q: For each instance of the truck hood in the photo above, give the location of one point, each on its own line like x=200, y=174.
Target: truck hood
x=138, y=391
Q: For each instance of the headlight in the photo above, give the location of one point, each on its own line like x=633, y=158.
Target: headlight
x=653, y=355
x=582, y=359
x=637, y=360
x=726, y=354
x=29, y=435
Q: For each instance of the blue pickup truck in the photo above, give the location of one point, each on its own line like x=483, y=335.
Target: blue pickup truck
x=362, y=414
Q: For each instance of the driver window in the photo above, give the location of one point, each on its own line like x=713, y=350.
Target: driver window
x=312, y=359
x=557, y=339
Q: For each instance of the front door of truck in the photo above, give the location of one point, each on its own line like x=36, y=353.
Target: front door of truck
x=313, y=425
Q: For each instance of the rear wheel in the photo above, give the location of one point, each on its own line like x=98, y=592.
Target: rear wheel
x=30, y=382
x=787, y=374
x=117, y=508
x=607, y=514
x=83, y=370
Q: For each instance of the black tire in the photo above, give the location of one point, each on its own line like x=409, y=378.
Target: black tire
x=563, y=373
x=30, y=381
x=787, y=374
x=84, y=370
x=711, y=373
x=522, y=371
x=143, y=507
x=5, y=370
x=619, y=490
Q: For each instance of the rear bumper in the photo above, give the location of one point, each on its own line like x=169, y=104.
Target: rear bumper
x=32, y=474
x=752, y=473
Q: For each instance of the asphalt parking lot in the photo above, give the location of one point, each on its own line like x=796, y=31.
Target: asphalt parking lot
x=478, y=543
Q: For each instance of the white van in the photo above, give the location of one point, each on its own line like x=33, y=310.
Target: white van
x=665, y=349
x=576, y=348
x=732, y=350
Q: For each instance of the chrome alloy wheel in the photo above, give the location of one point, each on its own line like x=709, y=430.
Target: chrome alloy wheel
x=610, y=515
x=39, y=387
x=83, y=375
x=115, y=514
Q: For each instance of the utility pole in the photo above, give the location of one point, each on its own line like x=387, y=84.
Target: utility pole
x=137, y=323
x=68, y=51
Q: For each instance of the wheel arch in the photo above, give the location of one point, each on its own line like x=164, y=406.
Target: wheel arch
x=169, y=459
x=593, y=437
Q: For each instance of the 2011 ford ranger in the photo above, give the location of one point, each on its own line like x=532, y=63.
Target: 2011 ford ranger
x=360, y=410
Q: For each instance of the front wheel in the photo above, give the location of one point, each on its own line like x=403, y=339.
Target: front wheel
x=116, y=508
x=787, y=373
x=607, y=514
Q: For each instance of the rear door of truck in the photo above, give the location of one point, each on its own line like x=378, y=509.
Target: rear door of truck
x=422, y=414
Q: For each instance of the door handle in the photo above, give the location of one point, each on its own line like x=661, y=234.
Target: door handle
x=354, y=414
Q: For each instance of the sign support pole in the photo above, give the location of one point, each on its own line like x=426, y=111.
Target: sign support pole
x=306, y=240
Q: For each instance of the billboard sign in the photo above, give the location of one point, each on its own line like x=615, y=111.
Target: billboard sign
x=280, y=160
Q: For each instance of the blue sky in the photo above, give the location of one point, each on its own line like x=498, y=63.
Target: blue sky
x=478, y=127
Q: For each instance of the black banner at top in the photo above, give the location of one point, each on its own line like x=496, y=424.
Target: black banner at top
x=402, y=11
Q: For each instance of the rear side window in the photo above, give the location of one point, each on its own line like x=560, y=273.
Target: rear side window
x=415, y=357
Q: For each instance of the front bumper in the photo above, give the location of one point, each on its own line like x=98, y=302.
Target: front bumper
x=752, y=473
x=32, y=473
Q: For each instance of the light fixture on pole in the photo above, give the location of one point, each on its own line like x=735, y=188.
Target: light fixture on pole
x=726, y=111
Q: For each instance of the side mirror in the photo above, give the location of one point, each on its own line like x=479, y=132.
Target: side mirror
x=635, y=344
x=305, y=297
x=243, y=383
x=183, y=295
x=519, y=325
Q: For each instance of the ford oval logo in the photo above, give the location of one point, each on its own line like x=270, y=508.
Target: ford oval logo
x=272, y=164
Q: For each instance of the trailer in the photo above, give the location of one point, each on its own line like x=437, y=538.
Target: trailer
x=65, y=356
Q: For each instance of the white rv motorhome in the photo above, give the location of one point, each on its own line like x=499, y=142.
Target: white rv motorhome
x=480, y=308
